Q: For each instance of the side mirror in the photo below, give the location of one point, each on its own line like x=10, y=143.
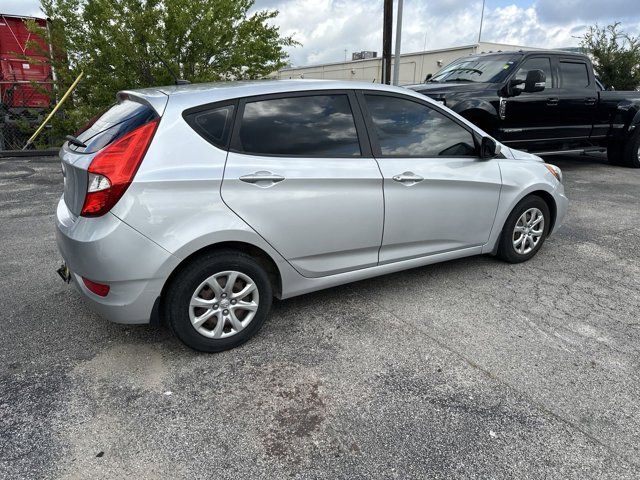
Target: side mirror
x=536, y=81
x=489, y=148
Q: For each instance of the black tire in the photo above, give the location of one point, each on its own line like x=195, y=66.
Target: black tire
x=506, y=249
x=631, y=151
x=176, y=304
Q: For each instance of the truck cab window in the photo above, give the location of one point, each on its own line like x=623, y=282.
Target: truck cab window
x=536, y=63
x=574, y=75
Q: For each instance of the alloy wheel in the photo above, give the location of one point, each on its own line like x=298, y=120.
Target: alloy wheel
x=528, y=231
x=224, y=304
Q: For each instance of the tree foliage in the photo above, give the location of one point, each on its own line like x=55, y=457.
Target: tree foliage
x=123, y=44
x=616, y=56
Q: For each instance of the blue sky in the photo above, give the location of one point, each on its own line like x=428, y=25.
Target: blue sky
x=326, y=28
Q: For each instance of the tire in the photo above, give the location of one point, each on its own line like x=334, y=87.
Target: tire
x=511, y=253
x=631, y=151
x=194, y=285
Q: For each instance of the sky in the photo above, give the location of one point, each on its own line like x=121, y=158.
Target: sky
x=326, y=28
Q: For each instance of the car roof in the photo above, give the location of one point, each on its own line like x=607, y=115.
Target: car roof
x=203, y=93
x=563, y=53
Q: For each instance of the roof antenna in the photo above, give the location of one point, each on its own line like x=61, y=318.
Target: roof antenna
x=178, y=81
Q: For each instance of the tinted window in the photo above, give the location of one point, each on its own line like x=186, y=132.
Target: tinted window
x=537, y=63
x=119, y=120
x=214, y=124
x=318, y=125
x=410, y=129
x=574, y=75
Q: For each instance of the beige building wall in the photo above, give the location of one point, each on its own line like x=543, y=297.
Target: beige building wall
x=414, y=67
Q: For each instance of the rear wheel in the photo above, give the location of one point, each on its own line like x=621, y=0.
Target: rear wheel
x=218, y=301
x=525, y=230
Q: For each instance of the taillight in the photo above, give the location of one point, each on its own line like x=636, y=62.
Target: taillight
x=99, y=289
x=113, y=169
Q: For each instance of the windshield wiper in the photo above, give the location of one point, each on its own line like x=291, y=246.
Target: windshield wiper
x=459, y=80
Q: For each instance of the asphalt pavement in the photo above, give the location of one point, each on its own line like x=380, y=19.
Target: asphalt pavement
x=468, y=369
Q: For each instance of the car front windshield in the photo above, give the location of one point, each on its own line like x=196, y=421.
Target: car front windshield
x=486, y=69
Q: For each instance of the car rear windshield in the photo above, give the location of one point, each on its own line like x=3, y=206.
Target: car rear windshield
x=117, y=121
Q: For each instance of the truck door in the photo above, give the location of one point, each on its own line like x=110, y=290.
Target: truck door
x=577, y=101
x=531, y=119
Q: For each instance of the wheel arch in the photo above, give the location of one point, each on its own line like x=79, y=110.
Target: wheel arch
x=259, y=254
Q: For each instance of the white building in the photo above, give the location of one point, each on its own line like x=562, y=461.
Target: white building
x=414, y=67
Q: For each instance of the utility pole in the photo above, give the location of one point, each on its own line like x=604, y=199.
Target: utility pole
x=387, y=27
x=481, y=19
x=396, y=59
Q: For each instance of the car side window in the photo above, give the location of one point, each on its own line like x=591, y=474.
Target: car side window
x=574, y=75
x=411, y=129
x=214, y=124
x=307, y=126
x=536, y=63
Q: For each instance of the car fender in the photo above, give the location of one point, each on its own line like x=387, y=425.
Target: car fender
x=520, y=178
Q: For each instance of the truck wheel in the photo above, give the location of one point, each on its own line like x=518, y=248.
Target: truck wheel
x=631, y=151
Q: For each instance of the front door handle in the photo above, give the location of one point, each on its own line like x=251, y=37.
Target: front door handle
x=552, y=101
x=590, y=101
x=407, y=178
x=262, y=179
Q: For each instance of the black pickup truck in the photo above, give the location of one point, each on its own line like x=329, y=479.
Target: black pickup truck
x=541, y=101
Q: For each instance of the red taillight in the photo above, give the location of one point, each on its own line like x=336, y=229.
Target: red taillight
x=113, y=169
x=99, y=289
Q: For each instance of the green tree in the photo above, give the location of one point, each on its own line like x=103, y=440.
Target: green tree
x=616, y=56
x=123, y=44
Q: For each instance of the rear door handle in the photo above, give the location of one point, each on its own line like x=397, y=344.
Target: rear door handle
x=590, y=101
x=552, y=101
x=407, y=178
x=262, y=179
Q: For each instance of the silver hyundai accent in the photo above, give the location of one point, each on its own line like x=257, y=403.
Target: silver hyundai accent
x=196, y=205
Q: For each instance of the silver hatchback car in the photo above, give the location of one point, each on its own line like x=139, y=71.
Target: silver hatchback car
x=196, y=205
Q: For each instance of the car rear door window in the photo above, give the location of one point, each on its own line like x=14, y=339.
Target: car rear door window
x=213, y=124
x=116, y=122
x=574, y=75
x=410, y=129
x=307, y=126
x=536, y=63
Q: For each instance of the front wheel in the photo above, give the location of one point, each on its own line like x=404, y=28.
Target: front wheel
x=218, y=301
x=525, y=230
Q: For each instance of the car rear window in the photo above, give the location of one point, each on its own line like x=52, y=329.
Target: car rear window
x=304, y=126
x=213, y=124
x=117, y=121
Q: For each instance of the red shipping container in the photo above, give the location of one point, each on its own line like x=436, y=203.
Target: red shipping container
x=17, y=75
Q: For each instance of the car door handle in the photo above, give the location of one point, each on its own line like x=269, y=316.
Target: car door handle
x=407, y=178
x=262, y=178
x=590, y=101
x=552, y=101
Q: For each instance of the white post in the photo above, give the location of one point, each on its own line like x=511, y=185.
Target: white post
x=481, y=19
x=396, y=63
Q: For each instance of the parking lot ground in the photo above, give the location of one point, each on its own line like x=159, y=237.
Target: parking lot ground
x=466, y=369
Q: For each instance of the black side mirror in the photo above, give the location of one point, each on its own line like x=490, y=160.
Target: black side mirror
x=489, y=148
x=535, y=82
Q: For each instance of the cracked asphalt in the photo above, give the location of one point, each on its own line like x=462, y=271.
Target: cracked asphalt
x=467, y=369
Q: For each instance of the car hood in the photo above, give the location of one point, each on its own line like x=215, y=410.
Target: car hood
x=434, y=88
x=518, y=154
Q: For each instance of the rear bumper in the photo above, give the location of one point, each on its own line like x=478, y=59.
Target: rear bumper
x=106, y=250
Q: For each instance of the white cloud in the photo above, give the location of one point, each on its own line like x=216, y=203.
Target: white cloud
x=326, y=28
x=29, y=8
